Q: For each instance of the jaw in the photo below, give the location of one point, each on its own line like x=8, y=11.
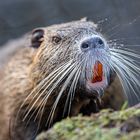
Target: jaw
x=97, y=85
x=98, y=81
x=85, y=103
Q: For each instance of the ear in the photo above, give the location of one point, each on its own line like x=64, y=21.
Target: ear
x=84, y=19
x=37, y=38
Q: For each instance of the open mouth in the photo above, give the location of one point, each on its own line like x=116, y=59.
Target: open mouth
x=98, y=80
x=98, y=72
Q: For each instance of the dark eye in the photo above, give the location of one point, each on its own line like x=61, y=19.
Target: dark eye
x=56, y=39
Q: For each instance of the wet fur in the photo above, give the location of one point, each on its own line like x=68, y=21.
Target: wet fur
x=23, y=73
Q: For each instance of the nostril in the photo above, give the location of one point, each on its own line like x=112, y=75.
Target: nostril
x=85, y=45
x=100, y=41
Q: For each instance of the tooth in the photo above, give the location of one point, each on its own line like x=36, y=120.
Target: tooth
x=98, y=72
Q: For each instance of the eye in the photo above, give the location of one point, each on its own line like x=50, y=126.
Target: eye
x=56, y=39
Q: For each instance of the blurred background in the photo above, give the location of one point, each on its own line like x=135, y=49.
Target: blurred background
x=20, y=16
x=117, y=19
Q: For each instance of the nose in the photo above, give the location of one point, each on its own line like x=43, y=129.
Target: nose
x=94, y=42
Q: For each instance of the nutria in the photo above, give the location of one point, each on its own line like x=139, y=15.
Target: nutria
x=67, y=69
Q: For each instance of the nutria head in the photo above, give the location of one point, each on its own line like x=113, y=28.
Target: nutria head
x=73, y=53
x=74, y=60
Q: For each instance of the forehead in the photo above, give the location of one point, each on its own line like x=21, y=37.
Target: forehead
x=72, y=26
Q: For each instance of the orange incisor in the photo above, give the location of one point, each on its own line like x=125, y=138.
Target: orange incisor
x=97, y=72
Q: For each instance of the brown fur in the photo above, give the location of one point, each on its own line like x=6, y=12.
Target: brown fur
x=22, y=74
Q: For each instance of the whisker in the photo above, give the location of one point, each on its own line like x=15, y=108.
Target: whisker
x=44, y=100
x=127, y=70
x=123, y=39
x=45, y=89
x=128, y=52
x=72, y=90
x=131, y=71
x=112, y=29
x=66, y=83
x=128, y=61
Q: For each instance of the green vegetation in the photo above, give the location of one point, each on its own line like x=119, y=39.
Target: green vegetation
x=106, y=125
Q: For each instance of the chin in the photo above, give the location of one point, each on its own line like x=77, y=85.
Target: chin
x=99, y=79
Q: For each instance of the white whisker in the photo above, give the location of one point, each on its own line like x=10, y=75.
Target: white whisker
x=72, y=90
x=124, y=62
x=47, y=88
x=66, y=83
